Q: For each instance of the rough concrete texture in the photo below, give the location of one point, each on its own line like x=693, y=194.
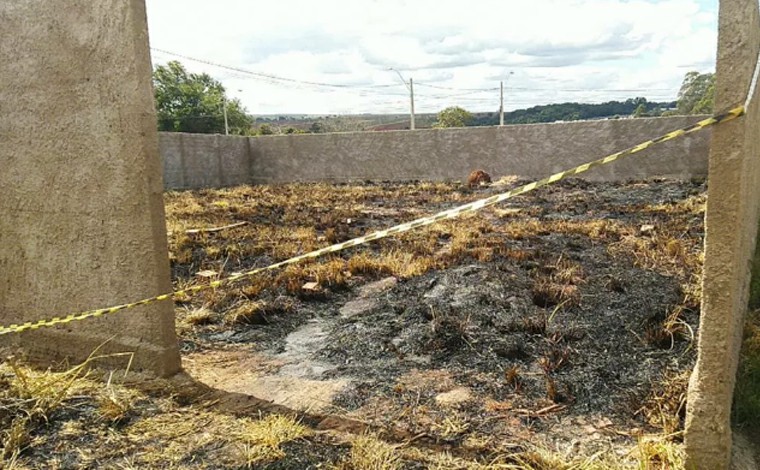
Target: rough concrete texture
x=731, y=224
x=81, y=213
x=529, y=151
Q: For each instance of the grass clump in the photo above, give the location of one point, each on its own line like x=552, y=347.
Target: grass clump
x=658, y=453
x=557, y=284
x=368, y=452
x=200, y=316
x=664, y=334
x=263, y=438
x=248, y=313
x=665, y=407
x=30, y=398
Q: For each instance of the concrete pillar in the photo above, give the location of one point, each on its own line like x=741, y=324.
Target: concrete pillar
x=733, y=210
x=81, y=212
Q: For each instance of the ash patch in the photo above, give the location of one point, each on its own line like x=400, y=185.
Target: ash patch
x=481, y=323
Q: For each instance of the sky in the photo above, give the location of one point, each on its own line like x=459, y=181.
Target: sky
x=352, y=57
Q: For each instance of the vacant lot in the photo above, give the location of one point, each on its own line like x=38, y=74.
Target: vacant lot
x=553, y=330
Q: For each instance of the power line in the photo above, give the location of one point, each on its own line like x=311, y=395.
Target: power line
x=606, y=90
x=512, y=88
x=271, y=77
x=374, y=89
x=463, y=95
x=440, y=87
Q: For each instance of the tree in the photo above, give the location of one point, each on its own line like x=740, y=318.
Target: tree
x=696, y=94
x=316, y=127
x=453, y=116
x=641, y=110
x=189, y=102
x=266, y=129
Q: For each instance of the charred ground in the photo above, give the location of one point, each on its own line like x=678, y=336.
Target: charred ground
x=563, y=320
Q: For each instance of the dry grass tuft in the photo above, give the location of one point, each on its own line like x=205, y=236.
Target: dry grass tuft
x=15, y=438
x=557, y=284
x=449, y=330
x=392, y=263
x=451, y=426
x=666, y=251
x=199, y=316
x=673, y=328
x=249, y=313
x=114, y=404
x=548, y=294
x=544, y=459
x=446, y=461
x=113, y=408
x=368, y=452
x=665, y=407
x=512, y=376
x=328, y=273
x=30, y=398
x=263, y=438
x=651, y=453
x=657, y=453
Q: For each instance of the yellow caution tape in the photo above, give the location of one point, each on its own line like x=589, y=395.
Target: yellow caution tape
x=405, y=227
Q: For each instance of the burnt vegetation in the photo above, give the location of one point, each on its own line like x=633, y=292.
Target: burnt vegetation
x=505, y=332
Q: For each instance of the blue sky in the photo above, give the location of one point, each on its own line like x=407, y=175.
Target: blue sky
x=457, y=52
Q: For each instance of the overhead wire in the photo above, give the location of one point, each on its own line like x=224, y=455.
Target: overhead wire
x=463, y=94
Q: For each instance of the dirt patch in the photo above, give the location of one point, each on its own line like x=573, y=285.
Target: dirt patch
x=292, y=378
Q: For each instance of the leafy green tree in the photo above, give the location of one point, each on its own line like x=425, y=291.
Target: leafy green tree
x=696, y=94
x=453, y=116
x=641, y=111
x=266, y=129
x=706, y=103
x=189, y=102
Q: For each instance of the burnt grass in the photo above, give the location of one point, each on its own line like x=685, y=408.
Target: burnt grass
x=479, y=320
x=560, y=303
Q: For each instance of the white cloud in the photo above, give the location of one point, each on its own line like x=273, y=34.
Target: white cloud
x=552, y=46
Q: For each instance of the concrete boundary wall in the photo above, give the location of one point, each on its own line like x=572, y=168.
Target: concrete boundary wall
x=193, y=161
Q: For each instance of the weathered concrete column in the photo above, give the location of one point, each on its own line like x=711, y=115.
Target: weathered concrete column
x=81, y=212
x=733, y=209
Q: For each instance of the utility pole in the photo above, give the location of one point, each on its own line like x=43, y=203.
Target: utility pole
x=226, y=126
x=411, y=98
x=410, y=87
x=501, y=103
x=501, y=100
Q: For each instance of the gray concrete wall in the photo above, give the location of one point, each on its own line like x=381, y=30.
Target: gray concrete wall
x=530, y=151
x=731, y=226
x=81, y=213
